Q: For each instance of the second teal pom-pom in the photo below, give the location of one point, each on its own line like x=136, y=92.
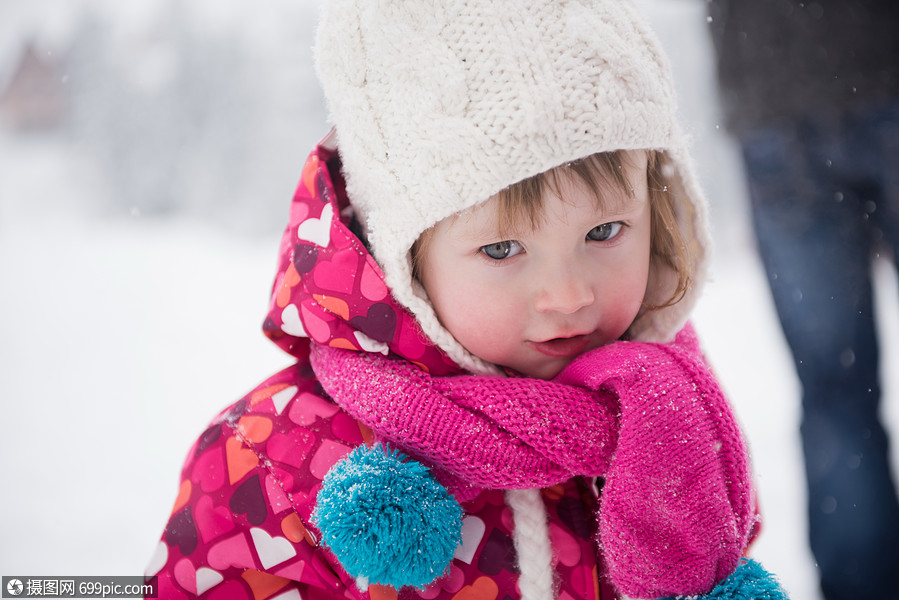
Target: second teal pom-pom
x=387, y=519
x=750, y=581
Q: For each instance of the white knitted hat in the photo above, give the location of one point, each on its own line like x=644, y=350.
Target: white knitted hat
x=440, y=104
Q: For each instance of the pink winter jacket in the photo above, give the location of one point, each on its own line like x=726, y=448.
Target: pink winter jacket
x=240, y=525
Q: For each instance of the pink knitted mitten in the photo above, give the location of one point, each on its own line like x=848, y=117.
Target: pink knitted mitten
x=677, y=507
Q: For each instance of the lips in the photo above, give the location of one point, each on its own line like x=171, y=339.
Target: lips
x=562, y=347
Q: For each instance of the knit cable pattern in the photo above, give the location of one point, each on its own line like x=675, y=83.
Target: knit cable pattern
x=439, y=105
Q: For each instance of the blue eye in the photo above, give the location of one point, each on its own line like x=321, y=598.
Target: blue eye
x=604, y=232
x=501, y=250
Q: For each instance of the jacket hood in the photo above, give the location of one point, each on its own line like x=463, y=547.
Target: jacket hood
x=328, y=288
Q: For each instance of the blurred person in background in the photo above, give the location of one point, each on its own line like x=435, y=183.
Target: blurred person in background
x=811, y=92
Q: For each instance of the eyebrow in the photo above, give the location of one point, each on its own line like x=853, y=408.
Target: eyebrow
x=468, y=228
x=623, y=205
x=481, y=231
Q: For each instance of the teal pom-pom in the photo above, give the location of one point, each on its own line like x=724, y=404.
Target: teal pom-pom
x=387, y=519
x=749, y=581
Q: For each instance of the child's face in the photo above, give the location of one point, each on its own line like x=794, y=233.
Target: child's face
x=534, y=302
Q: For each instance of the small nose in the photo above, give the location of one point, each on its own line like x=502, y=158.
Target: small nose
x=564, y=291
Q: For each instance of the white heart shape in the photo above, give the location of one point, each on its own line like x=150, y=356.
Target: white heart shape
x=207, y=579
x=289, y=595
x=473, y=530
x=271, y=550
x=290, y=321
x=158, y=561
x=317, y=231
x=370, y=345
x=280, y=399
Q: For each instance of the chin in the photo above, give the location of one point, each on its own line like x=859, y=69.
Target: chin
x=546, y=370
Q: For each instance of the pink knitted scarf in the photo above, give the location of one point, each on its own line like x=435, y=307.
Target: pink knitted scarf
x=677, y=507
x=475, y=432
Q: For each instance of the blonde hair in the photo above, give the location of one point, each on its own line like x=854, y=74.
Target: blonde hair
x=521, y=204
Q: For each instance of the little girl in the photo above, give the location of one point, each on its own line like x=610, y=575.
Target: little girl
x=486, y=280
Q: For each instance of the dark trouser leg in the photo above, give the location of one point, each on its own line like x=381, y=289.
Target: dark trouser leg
x=815, y=240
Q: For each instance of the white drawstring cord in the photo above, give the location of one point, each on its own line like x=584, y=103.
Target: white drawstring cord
x=531, y=538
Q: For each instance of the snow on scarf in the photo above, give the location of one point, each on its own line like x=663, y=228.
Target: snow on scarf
x=677, y=507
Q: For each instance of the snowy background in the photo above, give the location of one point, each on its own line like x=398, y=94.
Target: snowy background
x=138, y=237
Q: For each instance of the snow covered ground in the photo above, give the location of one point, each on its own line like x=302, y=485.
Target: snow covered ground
x=121, y=336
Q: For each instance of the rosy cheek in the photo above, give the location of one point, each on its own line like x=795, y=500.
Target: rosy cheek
x=629, y=302
x=472, y=320
x=481, y=327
